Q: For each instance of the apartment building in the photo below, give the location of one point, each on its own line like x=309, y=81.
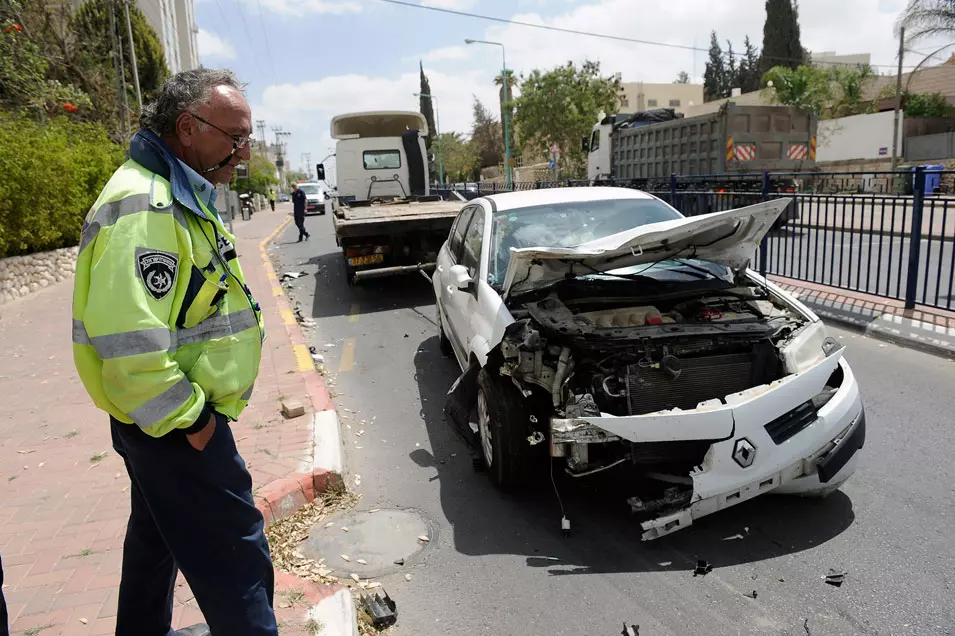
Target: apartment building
x=175, y=23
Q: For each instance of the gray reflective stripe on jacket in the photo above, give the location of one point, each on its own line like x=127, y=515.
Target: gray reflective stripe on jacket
x=164, y=404
x=131, y=343
x=108, y=213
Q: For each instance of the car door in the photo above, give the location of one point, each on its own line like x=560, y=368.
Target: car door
x=462, y=303
x=448, y=256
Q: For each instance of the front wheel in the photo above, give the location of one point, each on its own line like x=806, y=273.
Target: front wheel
x=502, y=429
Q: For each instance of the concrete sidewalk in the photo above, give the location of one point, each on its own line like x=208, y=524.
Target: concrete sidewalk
x=924, y=328
x=65, y=491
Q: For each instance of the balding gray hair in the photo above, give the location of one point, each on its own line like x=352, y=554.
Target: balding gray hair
x=182, y=92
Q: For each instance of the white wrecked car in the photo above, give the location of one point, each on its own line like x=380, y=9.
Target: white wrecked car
x=601, y=326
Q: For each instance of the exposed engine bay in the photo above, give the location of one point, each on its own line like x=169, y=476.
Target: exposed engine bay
x=592, y=357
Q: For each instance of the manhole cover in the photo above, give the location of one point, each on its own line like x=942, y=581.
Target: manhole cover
x=379, y=539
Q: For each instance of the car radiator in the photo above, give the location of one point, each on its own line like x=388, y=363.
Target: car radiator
x=654, y=387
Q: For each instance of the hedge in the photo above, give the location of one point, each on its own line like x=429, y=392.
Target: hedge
x=50, y=175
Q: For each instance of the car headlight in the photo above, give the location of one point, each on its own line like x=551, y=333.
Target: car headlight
x=809, y=347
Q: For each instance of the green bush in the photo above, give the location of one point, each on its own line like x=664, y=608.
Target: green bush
x=50, y=175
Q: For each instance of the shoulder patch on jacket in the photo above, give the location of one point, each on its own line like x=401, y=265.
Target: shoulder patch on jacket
x=157, y=270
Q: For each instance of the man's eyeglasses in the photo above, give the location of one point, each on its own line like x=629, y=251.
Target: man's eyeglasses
x=237, y=141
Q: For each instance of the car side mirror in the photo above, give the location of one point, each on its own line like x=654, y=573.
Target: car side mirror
x=584, y=144
x=460, y=277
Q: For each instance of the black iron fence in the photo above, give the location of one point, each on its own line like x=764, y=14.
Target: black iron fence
x=880, y=233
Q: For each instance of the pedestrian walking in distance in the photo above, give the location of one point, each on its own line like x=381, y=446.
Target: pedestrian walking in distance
x=167, y=340
x=299, y=200
x=272, y=198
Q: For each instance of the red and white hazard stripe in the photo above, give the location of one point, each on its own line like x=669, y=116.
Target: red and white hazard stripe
x=798, y=152
x=744, y=152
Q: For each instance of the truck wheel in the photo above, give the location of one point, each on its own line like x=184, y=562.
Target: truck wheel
x=502, y=429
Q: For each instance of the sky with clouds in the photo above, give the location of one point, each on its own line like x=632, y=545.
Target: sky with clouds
x=307, y=60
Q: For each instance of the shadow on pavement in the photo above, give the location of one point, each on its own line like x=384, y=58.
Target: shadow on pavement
x=334, y=297
x=604, y=539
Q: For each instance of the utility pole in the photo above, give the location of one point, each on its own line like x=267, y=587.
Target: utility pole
x=263, y=142
x=898, y=104
x=132, y=57
x=119, y=76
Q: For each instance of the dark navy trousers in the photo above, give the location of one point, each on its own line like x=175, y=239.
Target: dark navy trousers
x=192, y=511
x=4, y=626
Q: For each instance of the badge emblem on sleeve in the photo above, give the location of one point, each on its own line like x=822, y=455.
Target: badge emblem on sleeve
x=157, y=271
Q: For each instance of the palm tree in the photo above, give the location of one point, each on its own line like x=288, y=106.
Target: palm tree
x=928, y=20
x=507, y=108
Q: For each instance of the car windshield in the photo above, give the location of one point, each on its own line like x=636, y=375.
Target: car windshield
x=310, y=189
x=567, y=225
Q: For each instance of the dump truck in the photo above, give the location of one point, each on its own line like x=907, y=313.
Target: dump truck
x=386, y=220
x=734, y=140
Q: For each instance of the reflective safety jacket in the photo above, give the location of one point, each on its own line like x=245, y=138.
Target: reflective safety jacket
x=165, y=330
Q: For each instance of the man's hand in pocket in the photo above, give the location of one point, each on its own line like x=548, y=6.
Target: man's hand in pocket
x=200, y=439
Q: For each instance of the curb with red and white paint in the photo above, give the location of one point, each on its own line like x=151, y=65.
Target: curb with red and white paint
x=331, y=607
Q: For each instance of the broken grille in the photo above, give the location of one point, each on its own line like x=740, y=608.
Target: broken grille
x=788, y=424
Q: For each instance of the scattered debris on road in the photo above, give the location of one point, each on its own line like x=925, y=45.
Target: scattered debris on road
x=399, y=561
x=292, y=275
x=752, y=596
x=836, y=577
x=702, y=568
x=632, y=630
x=379, y=608
x=424, y=539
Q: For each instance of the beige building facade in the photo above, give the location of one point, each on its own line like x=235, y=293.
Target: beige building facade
x=638, y=96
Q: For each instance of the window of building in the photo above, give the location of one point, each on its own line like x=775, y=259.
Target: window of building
x=625, y=102
x=651, y=103
x=674, y=103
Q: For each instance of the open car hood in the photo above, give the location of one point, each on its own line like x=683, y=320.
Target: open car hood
x=728, y=238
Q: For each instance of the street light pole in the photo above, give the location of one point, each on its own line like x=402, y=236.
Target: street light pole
x=132, y=58
x=437, y=133
x=504, y=108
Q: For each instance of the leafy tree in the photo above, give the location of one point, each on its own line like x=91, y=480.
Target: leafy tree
x=927, y=105
x=562, y=105
x=731, y=77
x=293, y=176
x=261, y=176
x=25, y=85
x=682, y=78
x=850, y=86
x=808, y=88
x=781, y=42
x=426, y=106
x=462, y=161
x=749, y=67
x=486, y=136
x=714, y=77
x=75, y=49
x=507, y=105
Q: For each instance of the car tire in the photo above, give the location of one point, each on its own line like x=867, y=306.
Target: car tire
x=502, y=431
x=443, y=343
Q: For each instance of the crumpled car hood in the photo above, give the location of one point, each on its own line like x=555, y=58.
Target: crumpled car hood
x=728, y=238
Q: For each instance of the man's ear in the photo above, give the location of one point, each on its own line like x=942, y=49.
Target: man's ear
x=186, y=129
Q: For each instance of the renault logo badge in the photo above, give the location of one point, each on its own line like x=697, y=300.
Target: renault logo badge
x=744, y=452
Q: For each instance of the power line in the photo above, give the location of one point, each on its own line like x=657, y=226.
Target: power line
x=265, y=34
x=618, y=38
x=245, y=26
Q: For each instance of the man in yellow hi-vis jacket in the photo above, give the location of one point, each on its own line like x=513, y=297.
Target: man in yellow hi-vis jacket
x=167, y=339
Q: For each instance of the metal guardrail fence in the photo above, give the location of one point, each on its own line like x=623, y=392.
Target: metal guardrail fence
x=886, y=234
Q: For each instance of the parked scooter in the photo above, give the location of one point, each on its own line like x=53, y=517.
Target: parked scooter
x=246, y=202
